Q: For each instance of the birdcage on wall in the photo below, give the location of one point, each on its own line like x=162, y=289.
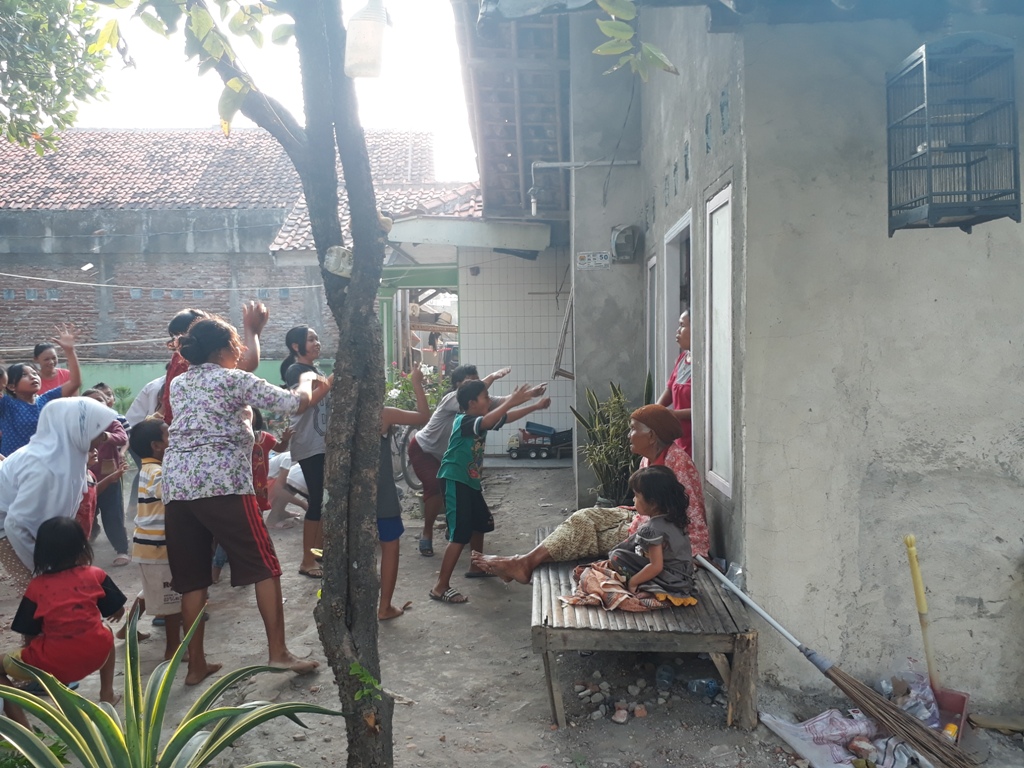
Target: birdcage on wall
x=954, y=154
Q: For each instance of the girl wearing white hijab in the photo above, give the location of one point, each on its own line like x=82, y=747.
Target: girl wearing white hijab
x=47, y=477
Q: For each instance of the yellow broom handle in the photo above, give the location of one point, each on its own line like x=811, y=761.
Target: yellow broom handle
x=922, y=606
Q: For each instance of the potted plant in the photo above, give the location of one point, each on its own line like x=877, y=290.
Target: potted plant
x=94, y=734
x=607, y=450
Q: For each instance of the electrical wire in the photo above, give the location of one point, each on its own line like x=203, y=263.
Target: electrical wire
x=161, y=288
x=162, y=340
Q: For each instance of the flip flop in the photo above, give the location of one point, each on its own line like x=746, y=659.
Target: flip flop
x=479, y=575
x=427, y=547
x=449, y=596
x=313, y=573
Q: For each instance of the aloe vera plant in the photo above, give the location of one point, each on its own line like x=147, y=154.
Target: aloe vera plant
x=96, y=736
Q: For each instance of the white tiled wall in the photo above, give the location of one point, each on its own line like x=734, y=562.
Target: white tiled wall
x=511, y=314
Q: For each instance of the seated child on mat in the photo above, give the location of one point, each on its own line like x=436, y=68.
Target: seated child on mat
x=63, y=609
x=657, y=558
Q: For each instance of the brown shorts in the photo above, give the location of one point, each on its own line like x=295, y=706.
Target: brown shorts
x=236, y=523
x=426, y=468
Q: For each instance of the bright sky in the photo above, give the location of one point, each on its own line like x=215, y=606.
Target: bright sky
x=420, y=87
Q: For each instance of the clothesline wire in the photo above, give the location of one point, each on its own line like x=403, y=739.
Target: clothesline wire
x=161, y=288
x=162, y=340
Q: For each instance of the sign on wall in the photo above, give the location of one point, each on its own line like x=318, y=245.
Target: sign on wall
x=593, y=260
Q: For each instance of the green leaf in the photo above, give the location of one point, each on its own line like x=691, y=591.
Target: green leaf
x=613, y=47
x=28, y=744
x=620, y=9
x=282, y=34
x=154, y=23
x=254, y=720
x=230, y=102
x=653, y=56
x=52, y=718
x=256, y=35
x=622, y=62
x=618, y=30
x=201, y=22
x=107, y=37
x=208, y=697
x=239, y=23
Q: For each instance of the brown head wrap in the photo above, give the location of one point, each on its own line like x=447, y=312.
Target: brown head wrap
x=661, y=422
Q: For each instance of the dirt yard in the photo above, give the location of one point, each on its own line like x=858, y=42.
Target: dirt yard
x=470, y=687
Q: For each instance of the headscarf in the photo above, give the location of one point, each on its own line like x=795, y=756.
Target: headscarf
x=47, y=477
x=660, y=420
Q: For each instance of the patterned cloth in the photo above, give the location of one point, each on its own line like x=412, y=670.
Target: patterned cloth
x=599, y=584
x=595, y=531
x=18, y=419
x=210, y=450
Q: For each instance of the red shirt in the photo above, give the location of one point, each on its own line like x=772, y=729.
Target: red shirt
x=680, y=384
x=265, y=442
x=64, y=613
x=177, y=367
x=86, y=514
x=60, y=377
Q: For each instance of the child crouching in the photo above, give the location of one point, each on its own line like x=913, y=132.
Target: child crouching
x=62, y=612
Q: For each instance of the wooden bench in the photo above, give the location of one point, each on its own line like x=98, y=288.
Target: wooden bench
x=718, y=625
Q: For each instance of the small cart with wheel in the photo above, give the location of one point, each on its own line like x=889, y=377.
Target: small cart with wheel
x=539, y=441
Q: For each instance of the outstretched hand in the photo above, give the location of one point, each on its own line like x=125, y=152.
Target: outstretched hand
x=66, y=336
x=500, y=374
x=539, y=390
x=543, y=404
x=254, y=316
x=520, y=395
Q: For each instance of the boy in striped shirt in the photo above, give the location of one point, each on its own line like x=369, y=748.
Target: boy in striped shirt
x=148, y=440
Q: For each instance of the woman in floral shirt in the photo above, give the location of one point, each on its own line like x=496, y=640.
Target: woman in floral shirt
x=208, y=488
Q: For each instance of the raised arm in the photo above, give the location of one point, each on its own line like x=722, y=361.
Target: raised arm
x=254, y=319
x=526, y=410
x=490, y=378
x=520, y=395
x=390, y=416
x=65, y=339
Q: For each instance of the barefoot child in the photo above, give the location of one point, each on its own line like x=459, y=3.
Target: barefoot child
x=148, y=439
x=467, y=513
x=63, y=609
x=657, y=558
x=389, y=510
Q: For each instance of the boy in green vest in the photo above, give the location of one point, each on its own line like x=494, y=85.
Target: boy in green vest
x=467, y=513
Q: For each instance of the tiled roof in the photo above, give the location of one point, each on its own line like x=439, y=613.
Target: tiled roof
x=155, y=169
x=397, y=201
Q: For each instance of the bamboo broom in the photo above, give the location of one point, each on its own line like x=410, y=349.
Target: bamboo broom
x=939, y=750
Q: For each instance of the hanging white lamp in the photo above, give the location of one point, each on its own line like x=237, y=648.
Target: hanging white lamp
x=364, y=43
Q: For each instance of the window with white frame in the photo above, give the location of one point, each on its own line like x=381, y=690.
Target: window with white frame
x=718, y=329
x=652, y=316
x=677, y=286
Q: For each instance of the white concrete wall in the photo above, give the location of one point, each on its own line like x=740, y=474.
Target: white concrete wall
x=882, y=381
x=510, y=314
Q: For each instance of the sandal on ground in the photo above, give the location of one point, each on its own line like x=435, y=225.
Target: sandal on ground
x=427, y=547
x=318, y=554
x=451, y=595
x=121, y=560
x=312, y=573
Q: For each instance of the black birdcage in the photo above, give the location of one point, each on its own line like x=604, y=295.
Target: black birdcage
x=954, y=156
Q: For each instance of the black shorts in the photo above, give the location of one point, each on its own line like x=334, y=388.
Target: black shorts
x=465, y=510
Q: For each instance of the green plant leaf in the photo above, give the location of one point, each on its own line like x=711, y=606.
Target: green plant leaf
x=209, y=697
x=282, y=34
x=622, y=62
x=184, y=743
x=200, y=22
x=28, y=744
x=253, y=720
x=230, y=102
x=613, y=47
x=619, y=30
x=154, y=22
x=653, y=57
x=188, y=752
x=53, y=719
x=134, y=720
x=620, y=9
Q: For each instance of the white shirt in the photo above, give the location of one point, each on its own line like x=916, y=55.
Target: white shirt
x=147, y=402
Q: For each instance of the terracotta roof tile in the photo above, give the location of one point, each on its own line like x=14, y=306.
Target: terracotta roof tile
x=156, y=169
x=397, y=201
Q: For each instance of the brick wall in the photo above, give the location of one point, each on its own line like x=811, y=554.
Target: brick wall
x=146, y=286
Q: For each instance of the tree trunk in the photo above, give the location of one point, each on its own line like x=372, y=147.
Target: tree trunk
x=347, y=612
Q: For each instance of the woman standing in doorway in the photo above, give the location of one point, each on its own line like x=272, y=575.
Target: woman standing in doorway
x=678, y=394
x=309, y=439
